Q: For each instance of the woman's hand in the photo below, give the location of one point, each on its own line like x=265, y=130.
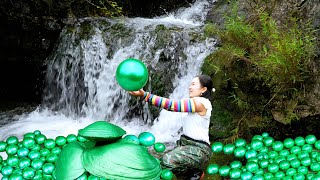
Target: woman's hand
x=138, y=93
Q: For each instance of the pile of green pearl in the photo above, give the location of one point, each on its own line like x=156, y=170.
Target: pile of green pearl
x=266, y=158
x=35, y=155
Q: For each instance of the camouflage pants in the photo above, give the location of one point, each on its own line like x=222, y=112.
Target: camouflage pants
x=188, y=154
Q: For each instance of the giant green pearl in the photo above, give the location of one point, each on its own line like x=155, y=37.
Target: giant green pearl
x=12, y=140
x=315, y=166
x=295, y=163
x=166, y=174
x=303, y=170
x=36, y=132
x=273, y=167
x=303, y=154
x=12, y=160
x=44, y=152
x=307, y=147
x=258, y=137
x=12, y=149
x=256, y=144
x=295, y=150
x=228, y=149
x=146, y=139
x=299, y=141
x=240, y=142
x=279, y=175
x=257, y=177
x=71, y=138
x=40, y=138
x=252, y=166
x=239, y=152
x=306, y=161
x=263, y=163
x=36, y=147
x=273, y=154
x=37, y=164
x=24, y=162
x=3, y=146
x=277, y=146
x=16, y=176
x=31, y=135
x=23, y=152
x=34, y=155
x=49, y=143
x=61, y=140
x=291, y=172
x=48, y=168
x=246, y=175
x=265, y=134
x=217, y=147
x=56, y=150
x=278, y=159
x=311, y=139
x=268, y=141
x=224, y=171
x=6, y=170
x=212, y=169
x=284, y=165
x=251, y=153
x=235, y=173
x=288, y=143
x=159, y=147
x=268, y=176
x=298, y=177
x=28, y=142
x=284, y=153
x=235, y=164
x=51, y=158
x=28, y=173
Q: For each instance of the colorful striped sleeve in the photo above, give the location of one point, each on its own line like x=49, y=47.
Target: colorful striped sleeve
x=185, y=105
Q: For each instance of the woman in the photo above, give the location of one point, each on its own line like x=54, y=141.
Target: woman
x=193, y=149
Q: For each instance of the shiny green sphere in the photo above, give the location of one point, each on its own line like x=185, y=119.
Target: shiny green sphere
x=235, y=173
x=239, y=152
x=246, y=175
x=279, y=158
x=251, y=153
x=290, y=157
x=51, y=158
x=16, y=176
x=24, y=162
x=306, y=161
x=146, y=139
x=166, y=174
x=132, y=74
x=295, y=163
x=259, y=172
x=307, y=147
x=309, y=176
x=49, y=143
x=263, y=163
x=264, y=149
x=315, y=166
x=256, y=144
x=291, y=172
x=235, y=164
x=44, y=152
x=288, y=143
x=28, y=142
x=12, y=140
x=240, y=142
x=279, y=175
x=273, y=154
x=314, y=154
x=36, y=147
x=299, y=176
x=40, y=138
x=317, y=145
x=311, y=139
x=36, y=132
x=71, y=138
x=268, y=176
x=159, y=147
x=48, y=168
x=273, y=168
x=257, y=177
x=3, y=146
x=212, y=169
x=12, y=149
x=284, y=165
x=277, y=146
x=23, y=152
x=252, y=166
x=60, y=140
x=37, y=164
x=284, y=153
x=303, y=170
x=217, y=147
x=132, y=138
x=6, y=170
x=303, y=154
x=224, y=171
x=268, y=141
x=258, y=137
x=265, y=134
x=299, y=141
x=12, y=161
x=28, y=173
x=56, y=150
x=228, y=149
x=29, y=135
x=295, y=150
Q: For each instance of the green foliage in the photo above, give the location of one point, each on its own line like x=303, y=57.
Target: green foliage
x=258, y=48
x=108, y=8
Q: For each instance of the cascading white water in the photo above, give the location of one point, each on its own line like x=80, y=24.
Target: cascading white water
x=81, y=73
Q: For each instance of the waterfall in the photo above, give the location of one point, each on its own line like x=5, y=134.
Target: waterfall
x=80, y=79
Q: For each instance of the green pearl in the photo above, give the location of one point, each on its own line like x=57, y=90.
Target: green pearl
x=146, y=139
x=44, y=152
x=259, y=172
x=288, y=143
x=31, y=135
x=256, y=144
x=303, y=170
x=239, y=152
x=295, y=163
x=298, y=177
x=291, y=172
x=23, y=152
x=290, y=157
x=40, y=138
x=159, y=147
x=3, y=146
x=34, y=155
x=295, y=150
x=246, y=175
x=235, y=164
x=12, y=149
x=284, y=153
x=268, y=176
x=165, y=174
x=265, y=134
x=15, y=176
x=37, y=164
x=28, y=173
x=217, y=147
x=315, y=166
x=317, y=144
x=278, y=159
x=24, y=162
x=61, y=140
x=12, y=161
x=277, y=146
x=6, y=170
x=224, y=171
x=284, y=165
x=212, y=169
x=272, y=154
x=306, y=161
x=251, y=153
x=235, y=173
x=311, y=139
x=48, y=168
x=257, y=177
x=268, y=141
x=240, y=142
x=258, y=137
x=264, y=149
x=56, y=150
x=299, y=141
x=307, y=147
x=28, y=142
x=309, y=176
x=49, y=143
x=279, y=175
x=228, y=149
x=273, y=168
x=252, y=166
x=36, y=147
x=263, y=163
x=12, y=140
x=303, y=154
x=71, y=138
x=253, y=159
x=36, y=132
x=51, y=158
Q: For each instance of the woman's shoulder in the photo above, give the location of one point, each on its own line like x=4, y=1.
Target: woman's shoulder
x=206, y=102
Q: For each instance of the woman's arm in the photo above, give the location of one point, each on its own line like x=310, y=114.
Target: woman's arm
x=185, y=105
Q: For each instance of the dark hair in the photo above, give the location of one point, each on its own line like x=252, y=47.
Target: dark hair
x=206, y=81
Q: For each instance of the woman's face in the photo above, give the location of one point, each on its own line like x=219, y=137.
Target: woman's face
x=195, y=88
